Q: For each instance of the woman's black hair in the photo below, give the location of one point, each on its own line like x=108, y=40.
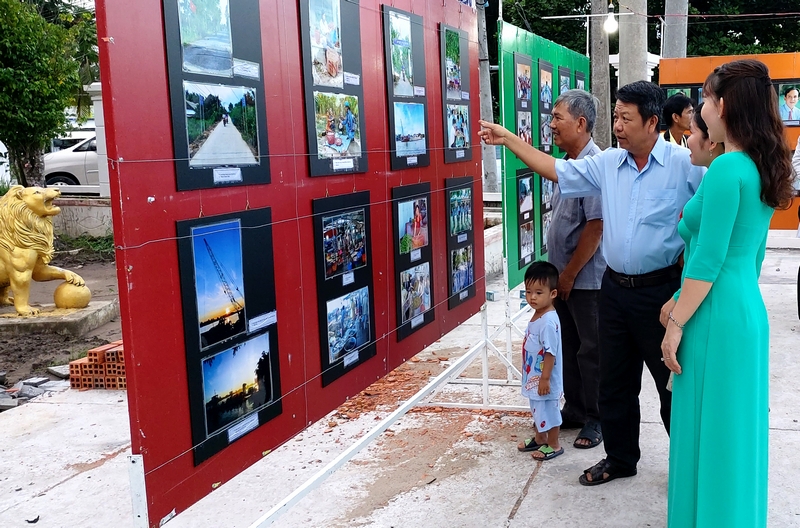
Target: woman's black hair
x=752, y=122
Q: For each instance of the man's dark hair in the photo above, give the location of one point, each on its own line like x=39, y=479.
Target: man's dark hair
x=543, y=272
x=675, y=105
x=788, y=89
x=648, y=98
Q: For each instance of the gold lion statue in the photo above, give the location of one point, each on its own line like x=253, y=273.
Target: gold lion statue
x=26, y=245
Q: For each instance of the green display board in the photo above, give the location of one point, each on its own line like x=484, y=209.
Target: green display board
x=533, y=72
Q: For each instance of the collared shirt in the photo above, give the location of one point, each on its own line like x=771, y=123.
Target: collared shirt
x=668, y=137
x=569, y=219
x=640, y=209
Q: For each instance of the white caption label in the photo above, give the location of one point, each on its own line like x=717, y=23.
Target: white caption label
x=463, y=295
x=348, y=278
x=526, y=216
x=412, y=160
x=419, y=91
x=351, y=358
x=465, y=96
x=262, y=321
x=352, y=78
x=243, y=427
x=459, y=154
x=343, y=164
x=418, y=320
x=416, y=255
x=227, y=175
x=462, y=238
x=528, y=259
x=524, y=104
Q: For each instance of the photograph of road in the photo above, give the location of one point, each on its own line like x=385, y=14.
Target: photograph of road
x=237, y=382
x=523, y=81
x=545, y=88
x=524, y=127
x=409, y=129
x=402, y=66
x=348, y=324
x=546, y=137
x=452, y=54
x=412, y=217
x=415, y=291
x=344, y=242
x=460, y=211
x=563, y=83
x=221, y=125
x=219, y=281
x=462, y=269
x=205, y=27
x=525, y=198
x=526, y=240
x=457, y=126
x=336, y=121
x=326, y=49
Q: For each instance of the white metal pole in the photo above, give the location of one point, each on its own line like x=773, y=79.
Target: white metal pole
x=138, y=491
x=485, y=358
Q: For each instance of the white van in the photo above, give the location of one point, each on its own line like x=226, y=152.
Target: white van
x=74, y=160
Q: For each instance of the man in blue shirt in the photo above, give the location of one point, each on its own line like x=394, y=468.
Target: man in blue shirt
x=573, y=246
x=643, y=185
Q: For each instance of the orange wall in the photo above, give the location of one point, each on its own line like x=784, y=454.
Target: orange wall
x=693, y=71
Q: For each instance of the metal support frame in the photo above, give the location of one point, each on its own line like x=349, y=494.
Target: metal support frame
x=138, y=491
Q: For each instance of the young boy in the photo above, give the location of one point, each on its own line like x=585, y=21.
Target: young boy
x=542, y=381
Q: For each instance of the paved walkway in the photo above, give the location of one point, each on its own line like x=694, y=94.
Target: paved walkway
x=224, y=146
x=62, y=458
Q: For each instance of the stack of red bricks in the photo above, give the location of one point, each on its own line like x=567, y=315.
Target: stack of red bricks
x=102, y=368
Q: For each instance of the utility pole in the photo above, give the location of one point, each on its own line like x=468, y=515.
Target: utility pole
x=491, y=183
x=600, y=78
x=633, y=42
x=676, y=18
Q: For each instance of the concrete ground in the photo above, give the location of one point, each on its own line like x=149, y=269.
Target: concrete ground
x=62, y=457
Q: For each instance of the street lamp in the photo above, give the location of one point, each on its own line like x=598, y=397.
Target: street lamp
x=610, y=25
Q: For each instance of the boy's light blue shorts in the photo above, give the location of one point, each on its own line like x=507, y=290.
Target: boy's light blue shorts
x=546, y=414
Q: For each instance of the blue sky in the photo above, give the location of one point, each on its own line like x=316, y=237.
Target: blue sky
x=227, y=372
x=226, y=243
x=409, y=118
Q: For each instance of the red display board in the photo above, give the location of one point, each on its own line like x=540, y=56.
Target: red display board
x=148, y=207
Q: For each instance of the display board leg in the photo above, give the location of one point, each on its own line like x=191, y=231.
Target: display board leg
x=138, y=491
x=485, y=358
x=508, y=322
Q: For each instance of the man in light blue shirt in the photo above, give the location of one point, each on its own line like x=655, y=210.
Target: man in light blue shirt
x=643, y=185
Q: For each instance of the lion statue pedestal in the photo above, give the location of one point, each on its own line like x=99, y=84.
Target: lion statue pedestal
x=26, y=249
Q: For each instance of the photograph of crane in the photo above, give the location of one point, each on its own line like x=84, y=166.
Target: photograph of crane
x=219, y=281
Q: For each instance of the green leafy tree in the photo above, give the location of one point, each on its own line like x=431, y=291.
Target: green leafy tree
x=570, y=33
x=38, y=76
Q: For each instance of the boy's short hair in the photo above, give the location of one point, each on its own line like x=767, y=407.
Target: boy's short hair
x=544, y=272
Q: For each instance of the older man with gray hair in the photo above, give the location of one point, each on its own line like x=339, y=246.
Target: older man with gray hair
x=573, y=243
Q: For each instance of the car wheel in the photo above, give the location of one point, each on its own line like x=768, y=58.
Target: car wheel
x=61, y=179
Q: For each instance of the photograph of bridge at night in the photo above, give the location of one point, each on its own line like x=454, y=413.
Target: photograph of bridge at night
x=219, y=281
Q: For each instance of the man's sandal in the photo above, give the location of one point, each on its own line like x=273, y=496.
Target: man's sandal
x=529, y=445
x=591, y=432
x=548, y=452
x=603, y=472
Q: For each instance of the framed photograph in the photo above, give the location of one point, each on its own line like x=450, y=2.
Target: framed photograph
x=564, y=79
x=524, y=127
x=237, y=382
x=545, y=132
x=413, y=258
x=348, y=324
x=526, y=243
x=525, y=193
x=523, y=81
x=526, y=240
x=412, y=218
x=545, y=87
x=344, y=283
x=334, y=94
x=325, y=37
x=404, y=53
x=229, y=316
x=460, y=240
x=787, y=103
x=455, y=93
x=547, y=218
x=546, y=210
x=337, y=125
x=523, y=84
x=219, y=282
x=206, y=42
x=344, y=242
x=216, y=93
x=580, y=80
x=462, y=270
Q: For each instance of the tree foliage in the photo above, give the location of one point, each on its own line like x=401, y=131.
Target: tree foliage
x=570, y=33
x=37, y=79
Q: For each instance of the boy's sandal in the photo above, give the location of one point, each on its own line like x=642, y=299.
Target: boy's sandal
x=603, y=472
x=591, y=432
x=548, y=452
x=529, y=445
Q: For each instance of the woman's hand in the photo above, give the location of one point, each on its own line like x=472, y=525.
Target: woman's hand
x=492, y=134
x=665, y=310
x=669, y=347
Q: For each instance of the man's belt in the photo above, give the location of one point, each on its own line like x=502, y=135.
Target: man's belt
x=654, y=278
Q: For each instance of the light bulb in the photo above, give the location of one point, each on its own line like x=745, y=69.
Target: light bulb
x=610, y=25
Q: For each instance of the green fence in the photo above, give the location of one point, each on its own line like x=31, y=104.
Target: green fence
x=525, y=103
